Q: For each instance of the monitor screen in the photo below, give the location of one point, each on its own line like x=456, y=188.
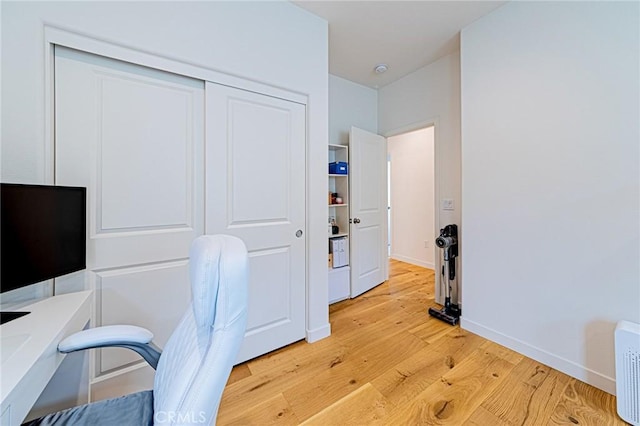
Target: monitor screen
x=43, y=233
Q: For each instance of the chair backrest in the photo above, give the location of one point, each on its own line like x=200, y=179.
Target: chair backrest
x=196, y=362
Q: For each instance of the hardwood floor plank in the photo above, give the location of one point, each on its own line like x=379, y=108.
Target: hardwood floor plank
x=454, y=398
x=431, y=329
x=457, y=344
x=383, y=300
x=582, y=404
x=529, y=395
x=292, y=369
x=239, y=372
x=357, y=367
x=363, y=406
x=297, y=357
x=273, y=411
x=372, y=324
x=504, y=353
x=482, y=417
x=404, y=279
x=410, y=377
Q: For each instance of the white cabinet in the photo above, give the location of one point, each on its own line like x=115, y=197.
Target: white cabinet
x=339, y=288
x=338, y=203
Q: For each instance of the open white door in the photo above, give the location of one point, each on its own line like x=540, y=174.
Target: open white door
x=368, y=170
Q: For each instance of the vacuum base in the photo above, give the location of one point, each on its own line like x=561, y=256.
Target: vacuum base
x=450, y=316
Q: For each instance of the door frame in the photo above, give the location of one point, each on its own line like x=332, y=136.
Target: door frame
x=57, y=36
x=437, y=167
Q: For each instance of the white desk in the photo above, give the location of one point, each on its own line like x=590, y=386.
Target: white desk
x=29, y=350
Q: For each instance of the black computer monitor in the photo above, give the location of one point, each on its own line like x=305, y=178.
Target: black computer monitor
x=43, y=233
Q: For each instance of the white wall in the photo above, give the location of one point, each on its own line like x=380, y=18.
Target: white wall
x=550, y=125
x=426, y=96
x=350, y=104
x=412, y=197
x=276, y=43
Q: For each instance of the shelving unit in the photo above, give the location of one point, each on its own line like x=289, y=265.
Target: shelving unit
x=339, y=288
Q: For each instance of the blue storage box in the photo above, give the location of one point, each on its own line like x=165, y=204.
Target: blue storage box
x=338, y=168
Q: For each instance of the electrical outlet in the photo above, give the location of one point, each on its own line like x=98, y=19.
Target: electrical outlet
x=426, y=244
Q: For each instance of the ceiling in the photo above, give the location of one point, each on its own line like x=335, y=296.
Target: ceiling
x=405, y=35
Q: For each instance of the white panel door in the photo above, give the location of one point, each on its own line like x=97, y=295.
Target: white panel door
x=368, y=180
x=255, y=190
x=135, y=138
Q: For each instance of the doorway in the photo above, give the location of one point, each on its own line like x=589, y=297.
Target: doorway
x=412, y=213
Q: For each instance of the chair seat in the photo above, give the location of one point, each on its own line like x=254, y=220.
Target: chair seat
x=135, y=409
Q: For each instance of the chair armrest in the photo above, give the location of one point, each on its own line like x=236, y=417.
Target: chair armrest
x=131, y=337
x=104, y=336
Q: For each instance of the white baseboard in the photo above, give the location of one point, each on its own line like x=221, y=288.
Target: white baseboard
x=339, y=299
x=319, y=333
x=412, y=261
x=580, y=372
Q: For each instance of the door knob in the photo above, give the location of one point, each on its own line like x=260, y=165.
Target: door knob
x=299, y=233
x=356, y=220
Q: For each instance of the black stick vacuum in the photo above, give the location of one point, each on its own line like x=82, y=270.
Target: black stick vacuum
x=448, y=242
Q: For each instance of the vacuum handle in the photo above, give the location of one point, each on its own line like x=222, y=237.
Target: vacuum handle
x=452, y=269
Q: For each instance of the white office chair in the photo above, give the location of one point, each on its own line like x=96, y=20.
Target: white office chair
x=194, y=367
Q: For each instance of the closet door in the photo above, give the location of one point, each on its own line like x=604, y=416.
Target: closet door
x=255, y=189
x=134, y=137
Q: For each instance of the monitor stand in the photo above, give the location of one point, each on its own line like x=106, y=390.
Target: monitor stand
x=10, y=316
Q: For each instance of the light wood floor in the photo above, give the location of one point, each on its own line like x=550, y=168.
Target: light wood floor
x=388, y=362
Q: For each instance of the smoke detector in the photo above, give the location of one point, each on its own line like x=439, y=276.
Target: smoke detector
x=380, y=68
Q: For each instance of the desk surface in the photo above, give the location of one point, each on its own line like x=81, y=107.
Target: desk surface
x=29, y=350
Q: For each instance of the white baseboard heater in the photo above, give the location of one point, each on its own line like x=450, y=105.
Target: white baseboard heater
x=627, y=350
